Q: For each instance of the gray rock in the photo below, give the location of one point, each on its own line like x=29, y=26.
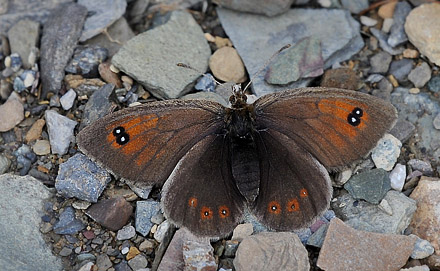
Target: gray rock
x=242, y=231
x=420, y=75
x=119, y=31
x=422, y=166
x=383, y=42
x=268, y=8
x=380, y=62
x=60, y=129
x=67, y=223
x=374, y=78
x=4, y=163
x=401, y=68
x=65, y=252
x=22, y=244
x=103, y=262
x=18, y=85
x=206, y=83
x=420, y=110
x=422, y=249
x=269, y=251
x=85, y=61
x=198, y=256
x=434, y=84
x=436, y=122
x=138, y=262
x=145, y=210
x=162, y=231
x=23, y=36
x=17, y=10
x=231, y=247
x=104, y=14
x=81, y=178
x=403, y=130
x=98, y=105
x=204, y=95
x=248, y=31
x=397, y=32
x=370, y=185
x=386, y=152
x=160, y=48
x=68, y=99
x=126, y=233
x=365, y=216
x=25, y=158
x=60, y=37
x=355, y=6
x=317, y=238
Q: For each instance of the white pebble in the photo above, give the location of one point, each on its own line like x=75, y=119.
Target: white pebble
x=68, y=99
x=397, y=177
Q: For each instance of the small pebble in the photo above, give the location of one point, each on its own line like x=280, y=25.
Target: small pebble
x=436, y=122
x=410, y=53
x=414, y=90
x=68, y=99
x=397, y=177
x=387, y=23
x=368, y=21
x=41, y=147
x=126, y=233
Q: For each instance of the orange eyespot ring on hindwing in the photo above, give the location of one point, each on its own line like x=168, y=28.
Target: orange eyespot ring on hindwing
x=303, y=193
x=206, y=213
x=192, y=202
x=274, y=207
x=223, y=211
x=293, y=206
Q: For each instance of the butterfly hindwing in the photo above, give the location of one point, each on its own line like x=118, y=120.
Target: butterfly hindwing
x=294, y=189
x=336, y=126
x=200, y=194
x=145, y=143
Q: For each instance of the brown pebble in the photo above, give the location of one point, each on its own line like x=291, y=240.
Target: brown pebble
x=222, y=42
x=108, y=75
x=35, y=131
x=133, y=252
x=387, y=10
x=410, y=53
x=227, y=65
x=393, y=80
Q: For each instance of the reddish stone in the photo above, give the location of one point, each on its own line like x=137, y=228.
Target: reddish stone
x=89, y=234
x=111, y=213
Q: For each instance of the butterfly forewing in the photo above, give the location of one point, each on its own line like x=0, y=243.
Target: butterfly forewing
x=145, y=143
x=336, y=126
x=201, y=194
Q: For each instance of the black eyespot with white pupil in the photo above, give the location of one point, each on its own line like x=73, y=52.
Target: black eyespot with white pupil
x=206, y=213
x=121, y=136
x=354, y=118
x=274, y=207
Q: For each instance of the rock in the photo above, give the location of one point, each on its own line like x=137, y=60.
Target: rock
x=434, y=84
x=19, y=85
x=420, y=75
x=242, y=231
x=410, y=53
x=416, y=268
x=401, y=68
x=369, y=217
x=370, y=185
x=345, y=248
x=60, y=129
x=67, y=223
x=268, y=8
x=5, y=89
x=397, y=177
x=198, y=256
x=162, y=231
x=248, y=30
x=79, y=177
x=270, y=250
x=317, y=238
x=4, y=163
x=173, y=257
x=119, y=31
x=367, y=21
x=386, y=152
x=160, y=47
x=138, y=262
x=25, y=158
x=423, y=29
x=126, y=233
x=383, y=43
x=35, y=131
x=23, y=36
x=103, y=262
x=108, y=75
x=60, y=37
x=85, y=61
x=104, y=13
x=41, y=147
x=387, y=10
x=145, y=210
x=422, y=249
x=426, y=221
x=22, y=200
x=380, y=62
x=341, y=78
x=65, y=252
x=111, y=213
x=227, y=66
x=11, y=113
x=303, y=60
x=206, y=83
x=231, y=247
x=133, y=252
x=68, y=99
x=98, y=105
x=397, y=35
x=355, y=6
x=203, y=95
x=422, y=166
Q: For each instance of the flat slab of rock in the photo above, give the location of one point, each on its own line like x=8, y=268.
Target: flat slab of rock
x=151, y=57
x=11, y=113
x=21, y=242
x=60, y=36
x=23, y=36
x=270, y=251
x=257, y=38
x=345, y=248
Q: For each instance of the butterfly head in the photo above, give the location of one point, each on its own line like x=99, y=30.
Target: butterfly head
x=238, y=98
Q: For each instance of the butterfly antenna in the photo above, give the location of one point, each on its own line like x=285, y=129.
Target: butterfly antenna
x=183, y=65
x=265, y=65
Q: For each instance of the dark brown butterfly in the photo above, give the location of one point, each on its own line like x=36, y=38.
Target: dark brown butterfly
x=271, y=156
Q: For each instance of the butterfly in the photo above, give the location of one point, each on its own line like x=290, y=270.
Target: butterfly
x=271, y=156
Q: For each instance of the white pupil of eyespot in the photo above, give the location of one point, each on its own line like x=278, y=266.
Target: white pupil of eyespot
x=206, y=214
x=122, y=139
x=274, y=207
x=353, y=120
x=358, y=112
x=224, y=212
